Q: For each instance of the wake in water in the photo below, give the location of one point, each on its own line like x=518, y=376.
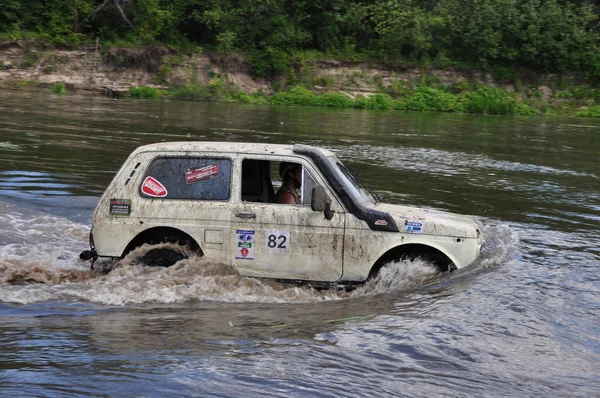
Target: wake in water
x=39, y=262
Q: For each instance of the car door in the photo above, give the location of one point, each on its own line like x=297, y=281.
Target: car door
x=284, y=241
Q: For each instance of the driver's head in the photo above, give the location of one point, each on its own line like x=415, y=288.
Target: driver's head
x=288, y=170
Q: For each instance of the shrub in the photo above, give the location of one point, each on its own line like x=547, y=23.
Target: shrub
x=525, y=109
x=335, y=101
x=192, y=92
x=430, y=99
x=245, y=98
x=59, y=89
x=490, y=101
x=375, y=101
x=296, y=96
x=144, y=92
x=216, y=87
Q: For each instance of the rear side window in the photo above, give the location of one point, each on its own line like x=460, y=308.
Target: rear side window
x=188, y=178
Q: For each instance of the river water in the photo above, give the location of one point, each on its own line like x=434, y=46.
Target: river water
x=524, y=320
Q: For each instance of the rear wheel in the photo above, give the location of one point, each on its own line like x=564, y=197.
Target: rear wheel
x=161, y=257
x=167, y=246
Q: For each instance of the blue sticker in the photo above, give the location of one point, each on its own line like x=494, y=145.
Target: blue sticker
x=245, y=244
x=244, y=234
x=414, y=227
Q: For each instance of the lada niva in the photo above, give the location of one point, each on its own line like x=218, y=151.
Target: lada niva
x=286, y=212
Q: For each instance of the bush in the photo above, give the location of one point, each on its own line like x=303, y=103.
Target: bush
x=525, y=109
x=296, y=96
x=244, y=98
x=144, y=92
x=375, y=101
x=490, y=101
x=192, y=92
x=335, y=101
x=430, y=99
x=59, y=89
x=216, y=86
x=301, y=96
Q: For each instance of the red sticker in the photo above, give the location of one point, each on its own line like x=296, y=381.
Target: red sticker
x=152, y=187
x=201, y=173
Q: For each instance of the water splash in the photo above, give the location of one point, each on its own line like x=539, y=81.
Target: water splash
x=39, y=262
x=501, y=246
x=398, y=276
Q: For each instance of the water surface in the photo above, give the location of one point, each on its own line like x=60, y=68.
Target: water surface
x=522, y=321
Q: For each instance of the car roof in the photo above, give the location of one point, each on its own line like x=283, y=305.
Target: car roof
x=233, y=147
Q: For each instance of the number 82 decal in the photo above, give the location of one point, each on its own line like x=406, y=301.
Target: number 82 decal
x=278, y=241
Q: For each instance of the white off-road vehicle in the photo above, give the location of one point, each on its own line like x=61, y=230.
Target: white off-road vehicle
x=218, y=200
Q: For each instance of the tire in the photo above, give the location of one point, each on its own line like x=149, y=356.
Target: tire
x=442, y=263
x=162, y=257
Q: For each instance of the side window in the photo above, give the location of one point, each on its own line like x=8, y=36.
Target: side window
x=267, y=181
x=187, y=178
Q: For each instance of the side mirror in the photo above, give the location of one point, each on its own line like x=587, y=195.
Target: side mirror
x=320, y=201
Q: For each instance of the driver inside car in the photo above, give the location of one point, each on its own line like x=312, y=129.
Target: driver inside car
x=291, y=173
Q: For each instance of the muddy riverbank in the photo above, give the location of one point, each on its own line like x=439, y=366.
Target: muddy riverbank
x=91, y=68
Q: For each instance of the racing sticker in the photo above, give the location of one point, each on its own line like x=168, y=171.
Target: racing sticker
x=153, y=187
x=120, y=208
x=278, y=242
x=414, y=227
x=197, y=174
x=245, y=244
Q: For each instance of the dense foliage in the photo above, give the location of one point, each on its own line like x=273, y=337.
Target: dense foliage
x=548, y=35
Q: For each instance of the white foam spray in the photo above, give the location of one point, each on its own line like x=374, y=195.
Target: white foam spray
x=39, y=262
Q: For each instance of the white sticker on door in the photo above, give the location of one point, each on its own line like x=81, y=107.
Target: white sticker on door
x=278, y=242
x=245, y=244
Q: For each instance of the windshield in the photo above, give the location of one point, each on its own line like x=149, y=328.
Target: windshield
x=351, y=181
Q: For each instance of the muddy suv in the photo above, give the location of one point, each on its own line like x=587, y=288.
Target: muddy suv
x=220, y=201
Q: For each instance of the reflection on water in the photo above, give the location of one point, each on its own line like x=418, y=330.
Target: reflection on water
x=520, y=322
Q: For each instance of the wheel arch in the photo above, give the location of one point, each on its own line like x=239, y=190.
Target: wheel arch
x=157, y=235
x=443, y=260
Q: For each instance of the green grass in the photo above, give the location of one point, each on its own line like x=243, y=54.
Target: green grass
x=593, y=111
x=18, y=35
x=484, y=100
x=25, y=83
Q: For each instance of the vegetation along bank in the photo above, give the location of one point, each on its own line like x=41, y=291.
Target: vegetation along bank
x=521, y=57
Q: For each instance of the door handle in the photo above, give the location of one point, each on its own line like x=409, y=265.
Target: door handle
x=245, y=216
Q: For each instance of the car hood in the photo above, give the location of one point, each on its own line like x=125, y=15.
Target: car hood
x=432, y=222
